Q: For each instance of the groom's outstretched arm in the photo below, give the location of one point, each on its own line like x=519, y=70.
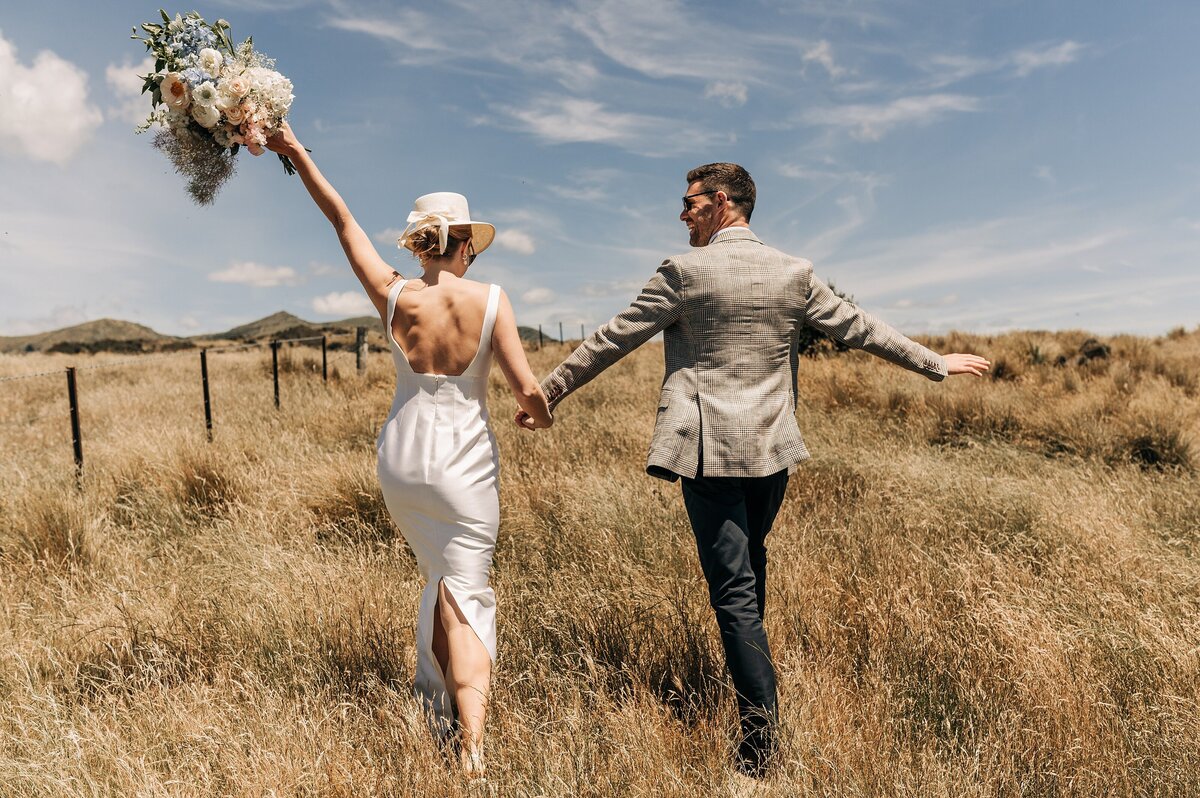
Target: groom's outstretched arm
x=657, y=307
x=846, y=322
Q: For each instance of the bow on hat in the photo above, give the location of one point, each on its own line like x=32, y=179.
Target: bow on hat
x=419, y=220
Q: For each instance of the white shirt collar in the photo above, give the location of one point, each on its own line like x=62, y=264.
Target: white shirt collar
x=726, y=229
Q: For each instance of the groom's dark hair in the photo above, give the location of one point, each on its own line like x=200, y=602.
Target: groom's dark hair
x=730, y=178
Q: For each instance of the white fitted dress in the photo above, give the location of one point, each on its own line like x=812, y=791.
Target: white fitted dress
x=439, y=471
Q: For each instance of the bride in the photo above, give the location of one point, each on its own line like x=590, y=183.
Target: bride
x=438, y=463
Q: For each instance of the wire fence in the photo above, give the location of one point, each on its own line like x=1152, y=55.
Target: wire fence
x=360, y=348
x=70, y=372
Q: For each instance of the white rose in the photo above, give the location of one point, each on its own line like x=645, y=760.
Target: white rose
x=226, y=100
x=231, y=92
x=174, y=91
x=204, y=94
x=236, y=84
x=205, y=114
x=211, y=61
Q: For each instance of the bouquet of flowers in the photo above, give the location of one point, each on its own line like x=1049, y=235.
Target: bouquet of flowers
x=209, y=98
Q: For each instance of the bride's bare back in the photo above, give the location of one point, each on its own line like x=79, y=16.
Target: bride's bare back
x=438, y=326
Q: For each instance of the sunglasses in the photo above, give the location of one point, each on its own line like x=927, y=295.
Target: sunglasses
x=470, y=252
x=687, y=206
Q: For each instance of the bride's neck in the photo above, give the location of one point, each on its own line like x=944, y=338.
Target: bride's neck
x=437, y=268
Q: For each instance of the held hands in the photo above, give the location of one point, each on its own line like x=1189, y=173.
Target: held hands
x=526, y=421
x=966, y=364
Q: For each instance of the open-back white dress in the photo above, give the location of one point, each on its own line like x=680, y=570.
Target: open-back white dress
x=439, y=471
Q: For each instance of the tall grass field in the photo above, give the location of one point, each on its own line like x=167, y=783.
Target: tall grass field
x=976, y=588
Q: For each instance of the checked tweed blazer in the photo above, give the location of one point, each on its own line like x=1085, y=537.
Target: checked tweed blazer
x=730, y=314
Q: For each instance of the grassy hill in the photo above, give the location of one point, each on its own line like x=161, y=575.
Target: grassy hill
x=101, y=334
x=111, y=335
x=266, y=327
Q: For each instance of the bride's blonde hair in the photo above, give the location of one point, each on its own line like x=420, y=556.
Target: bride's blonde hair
x=425, y=242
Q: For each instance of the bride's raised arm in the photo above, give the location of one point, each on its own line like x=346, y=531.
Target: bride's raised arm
x=372, y=271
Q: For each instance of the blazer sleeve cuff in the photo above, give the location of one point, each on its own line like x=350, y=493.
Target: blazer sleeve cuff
x=555, y=388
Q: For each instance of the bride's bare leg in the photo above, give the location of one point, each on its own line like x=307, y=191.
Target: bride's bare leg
x=441, y=650
x=468, y=672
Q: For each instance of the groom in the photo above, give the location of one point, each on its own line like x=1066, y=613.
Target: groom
x=730, y=312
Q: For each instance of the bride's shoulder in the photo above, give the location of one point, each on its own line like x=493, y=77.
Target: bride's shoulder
x=476, y=287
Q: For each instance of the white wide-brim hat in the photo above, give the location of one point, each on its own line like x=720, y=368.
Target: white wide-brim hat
x=443, y=210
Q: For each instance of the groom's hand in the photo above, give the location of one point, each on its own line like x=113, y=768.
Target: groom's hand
x=966, y=364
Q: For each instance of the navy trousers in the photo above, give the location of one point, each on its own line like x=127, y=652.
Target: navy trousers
x=731, y=517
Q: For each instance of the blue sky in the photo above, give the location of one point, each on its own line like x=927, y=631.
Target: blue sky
x=979, y=166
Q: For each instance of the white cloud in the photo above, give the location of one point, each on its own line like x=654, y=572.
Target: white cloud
x=613, y=288
x=729, y=93
x=822, y=53
x=126, y=83
x=407, y=27
x=950, y=258
x=941, y=302
x=256, y=274
x=59, y=317
x=389, y=235
x=44, y=109
x=538, y=296
x=343, y=303
x=569, y=119
x=872, y=122
x=561, y=120
x=947, y=69
x=1045, y=174
x=320, y=269
x=587, y=185
x=516, y=241
x=1027, y=61
x=661, y=39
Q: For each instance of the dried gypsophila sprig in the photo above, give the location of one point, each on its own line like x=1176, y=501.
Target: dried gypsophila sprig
x=206, y=164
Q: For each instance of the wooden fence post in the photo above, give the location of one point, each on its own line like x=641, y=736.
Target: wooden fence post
x=324, y=359
x=360, y=347
x=207, y=401
x=539, y=336
x=76, y=436
x=581, y=332
x=275, y=369
x=561, y=340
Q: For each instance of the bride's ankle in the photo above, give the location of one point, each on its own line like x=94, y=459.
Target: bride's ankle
x=472, y=758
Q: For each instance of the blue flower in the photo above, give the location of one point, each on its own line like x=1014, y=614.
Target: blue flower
x=195, y=76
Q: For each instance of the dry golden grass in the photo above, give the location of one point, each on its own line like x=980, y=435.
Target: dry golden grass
x=978, y=588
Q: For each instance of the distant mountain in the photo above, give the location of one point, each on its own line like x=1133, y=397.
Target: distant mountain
x=268, y=327
x=287, y=325
x=111, y=335
x=91, y=336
